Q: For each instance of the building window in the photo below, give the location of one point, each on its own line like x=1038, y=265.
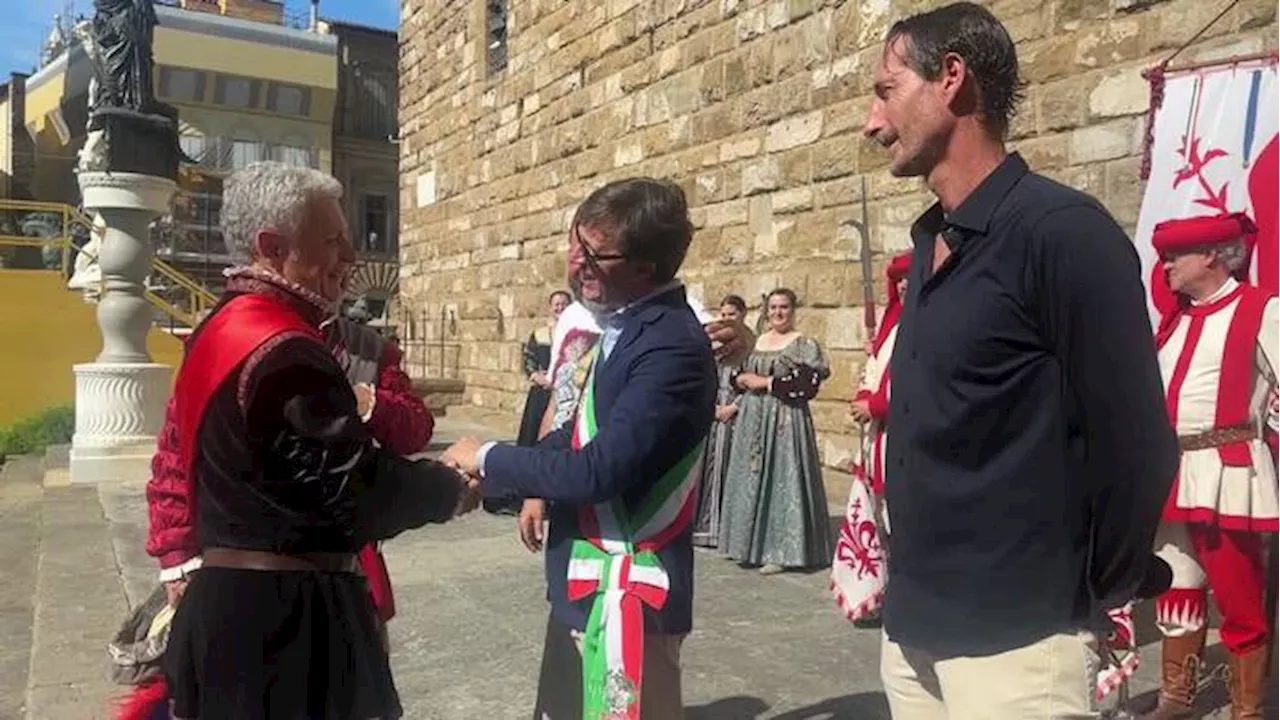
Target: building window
x=181, y=84
x=244, y=152
x=374, y=228
x=496, y=15
x=288, y=99
x=236, y=92
x=369, y=101
x=294, y=155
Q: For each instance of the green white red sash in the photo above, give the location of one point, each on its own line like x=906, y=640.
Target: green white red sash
x=617, y=565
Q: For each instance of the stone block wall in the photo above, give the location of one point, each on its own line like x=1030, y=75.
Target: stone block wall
x=755, y=107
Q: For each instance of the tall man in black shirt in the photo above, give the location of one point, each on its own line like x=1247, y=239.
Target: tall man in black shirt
x=1031, y=454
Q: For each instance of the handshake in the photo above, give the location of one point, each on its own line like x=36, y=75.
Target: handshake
x=463, y=456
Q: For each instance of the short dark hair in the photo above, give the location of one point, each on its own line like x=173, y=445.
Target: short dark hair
x=558, y=293
x=787, y=293
x=736, y=301
x=650, y=217
x=973, y=33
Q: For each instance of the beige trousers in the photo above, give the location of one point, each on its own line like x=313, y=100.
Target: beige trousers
x=1052, y=679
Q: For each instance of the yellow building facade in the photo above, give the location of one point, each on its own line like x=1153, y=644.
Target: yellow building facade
x=247, y=88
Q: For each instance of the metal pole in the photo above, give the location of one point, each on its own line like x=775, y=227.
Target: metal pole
x=868, y=288
x=440, y=340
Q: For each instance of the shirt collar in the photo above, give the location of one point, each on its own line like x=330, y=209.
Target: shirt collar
x=975, y=212
x=1227, y=288
x=615, y=316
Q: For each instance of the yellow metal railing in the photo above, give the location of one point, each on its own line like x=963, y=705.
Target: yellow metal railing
x=62, y=219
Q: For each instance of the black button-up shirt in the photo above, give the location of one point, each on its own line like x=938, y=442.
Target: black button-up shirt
x=1030, y=454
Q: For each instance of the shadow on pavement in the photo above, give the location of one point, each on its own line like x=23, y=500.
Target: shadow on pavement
x=731, y=708
x=860, y=706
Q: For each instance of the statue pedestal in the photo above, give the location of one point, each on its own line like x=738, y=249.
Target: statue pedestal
x=121, y=396
x=119, y=413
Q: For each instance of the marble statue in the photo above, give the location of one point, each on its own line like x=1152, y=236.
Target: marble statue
x=87, y=275
x=92, y=156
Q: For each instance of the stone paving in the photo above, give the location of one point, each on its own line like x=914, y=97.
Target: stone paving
x=466, y=642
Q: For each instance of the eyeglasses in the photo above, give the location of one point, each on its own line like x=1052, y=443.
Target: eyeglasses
x=592, y=257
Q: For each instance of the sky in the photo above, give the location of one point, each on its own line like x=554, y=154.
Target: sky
x=27, y=23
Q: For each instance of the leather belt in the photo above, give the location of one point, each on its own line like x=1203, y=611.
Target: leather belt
x=1217, y=437
x=277, y=562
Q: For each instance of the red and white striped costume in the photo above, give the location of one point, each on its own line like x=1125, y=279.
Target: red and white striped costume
x=1218, y=362
x=874, y=387
x=859, y=570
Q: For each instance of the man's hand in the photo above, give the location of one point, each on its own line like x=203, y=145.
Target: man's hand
x=463, y=455
x=174, y=590
x=540, y=379
x=725, y=413
x=861, y=410
x=533, y=523
x=731, y=341
x=364, y=397
x=470, y=498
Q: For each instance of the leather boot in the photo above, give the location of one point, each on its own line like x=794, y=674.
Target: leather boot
x=1180, y=666
x=1248, y=675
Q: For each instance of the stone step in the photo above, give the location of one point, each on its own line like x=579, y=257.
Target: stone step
x=20, y=514
x=79, y=602
x=57, y=457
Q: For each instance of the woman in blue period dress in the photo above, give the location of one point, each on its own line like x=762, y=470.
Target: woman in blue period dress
x=775, y=506
x=706, y=527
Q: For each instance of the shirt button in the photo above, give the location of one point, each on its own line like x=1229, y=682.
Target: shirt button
x=899, y=462
x=906, y=408
x=914, y=355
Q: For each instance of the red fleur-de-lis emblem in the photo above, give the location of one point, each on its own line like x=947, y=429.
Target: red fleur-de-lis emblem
x=859, y=543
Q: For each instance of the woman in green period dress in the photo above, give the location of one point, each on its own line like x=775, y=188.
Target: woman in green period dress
x=775, y=508
x=706, y=524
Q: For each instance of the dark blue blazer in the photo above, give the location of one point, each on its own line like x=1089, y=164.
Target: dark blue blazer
x=655, y=400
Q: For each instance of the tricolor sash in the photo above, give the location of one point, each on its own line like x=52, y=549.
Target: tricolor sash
x=616, y=564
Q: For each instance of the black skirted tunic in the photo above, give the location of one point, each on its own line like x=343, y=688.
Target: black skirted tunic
x=537, y=358
x=285, y=465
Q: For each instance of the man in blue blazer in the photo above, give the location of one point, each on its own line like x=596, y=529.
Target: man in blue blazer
x=621, y=478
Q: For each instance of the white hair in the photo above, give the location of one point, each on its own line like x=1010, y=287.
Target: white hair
x=269, y=196
x=1232, y=255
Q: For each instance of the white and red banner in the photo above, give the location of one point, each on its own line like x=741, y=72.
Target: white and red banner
x=1214, y=151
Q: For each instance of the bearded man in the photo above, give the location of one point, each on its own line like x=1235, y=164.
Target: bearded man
x=620, y=479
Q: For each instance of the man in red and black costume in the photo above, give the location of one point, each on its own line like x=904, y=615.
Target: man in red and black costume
x=396, y=417
x=1217, y=344
x=288, y=482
